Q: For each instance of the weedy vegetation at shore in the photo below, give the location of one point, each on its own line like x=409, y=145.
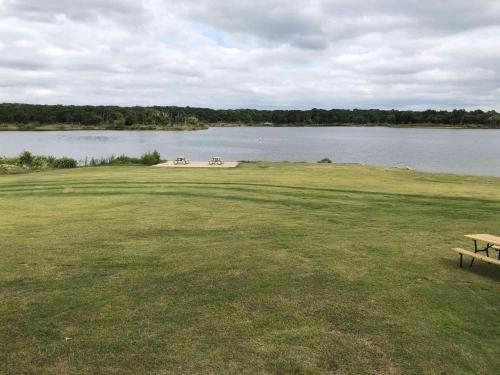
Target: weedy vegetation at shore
x=27, y=162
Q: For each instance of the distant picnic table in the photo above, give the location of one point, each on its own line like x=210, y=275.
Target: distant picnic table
x=181, y=160
x=489, y=241
x=216, y=160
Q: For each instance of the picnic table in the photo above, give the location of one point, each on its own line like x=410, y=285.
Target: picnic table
x=181, y=160
x=489, y=241
x=492, y=242
x=216, y=160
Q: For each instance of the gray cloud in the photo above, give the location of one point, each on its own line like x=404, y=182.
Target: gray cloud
x=273, y=21
x=265, y=54
x=84, y=10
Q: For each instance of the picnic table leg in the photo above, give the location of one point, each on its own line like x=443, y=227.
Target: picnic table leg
x=475, y=250
x=461, y=257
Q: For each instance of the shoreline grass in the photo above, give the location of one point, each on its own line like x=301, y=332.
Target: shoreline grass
x=26, y=162
x=265, y=268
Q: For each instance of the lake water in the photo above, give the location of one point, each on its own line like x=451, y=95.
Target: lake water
x=436, y=150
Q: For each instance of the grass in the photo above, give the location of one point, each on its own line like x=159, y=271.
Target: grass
x=281, y=268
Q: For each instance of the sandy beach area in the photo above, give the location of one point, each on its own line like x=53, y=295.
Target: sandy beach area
x=198, y=164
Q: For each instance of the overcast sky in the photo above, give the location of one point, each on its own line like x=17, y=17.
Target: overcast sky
x=414, y=54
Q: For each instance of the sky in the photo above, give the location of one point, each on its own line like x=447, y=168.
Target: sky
x=266, y=54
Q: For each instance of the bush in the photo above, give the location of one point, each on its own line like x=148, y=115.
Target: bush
x=10, y=161
x=42, y=162
x=325, y=160
x=25, y=159
x=110, y=160
x=151, y=158
x=123, y=159
x=98, y=162
x=65, y=162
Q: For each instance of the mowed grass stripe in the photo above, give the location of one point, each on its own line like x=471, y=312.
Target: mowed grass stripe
x=221, y=186
x=315, y=200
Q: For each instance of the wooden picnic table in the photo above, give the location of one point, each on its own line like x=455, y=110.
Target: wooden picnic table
x=491, y=241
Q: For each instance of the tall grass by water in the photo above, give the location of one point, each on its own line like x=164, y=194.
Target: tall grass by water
x=26, y=162
x=148, y=158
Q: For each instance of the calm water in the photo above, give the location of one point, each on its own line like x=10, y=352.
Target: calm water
x=440, y=150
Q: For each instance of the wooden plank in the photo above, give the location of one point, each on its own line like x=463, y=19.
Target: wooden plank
x=488, y=238
x=477, y=256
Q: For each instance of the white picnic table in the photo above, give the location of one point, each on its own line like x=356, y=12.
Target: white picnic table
x=215, y=160
x=181, y=160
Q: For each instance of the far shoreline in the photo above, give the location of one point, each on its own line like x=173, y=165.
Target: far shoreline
x=72, y=127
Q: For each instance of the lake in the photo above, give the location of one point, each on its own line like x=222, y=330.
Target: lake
x=470, y=151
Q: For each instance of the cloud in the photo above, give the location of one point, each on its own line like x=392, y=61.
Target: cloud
x=264, y=54
x=81, y=10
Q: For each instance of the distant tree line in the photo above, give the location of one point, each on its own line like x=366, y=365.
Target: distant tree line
x=172, y=116
x=95, y=115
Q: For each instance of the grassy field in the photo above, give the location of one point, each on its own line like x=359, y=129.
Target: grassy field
x=266, y=268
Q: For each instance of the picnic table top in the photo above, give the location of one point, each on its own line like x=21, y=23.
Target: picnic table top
x=488, y=238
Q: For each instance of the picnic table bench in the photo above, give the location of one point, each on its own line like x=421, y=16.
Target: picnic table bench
x=216, y=160
x=491, y=243
x=181, y=160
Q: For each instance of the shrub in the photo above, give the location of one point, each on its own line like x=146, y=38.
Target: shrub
x=151, y=158
x=111, y=160
x=42, y=162
x=325, y=160
x=65, y=162
x=10, y=161
x=123, y=159
x=97, y=162
x=25, y=159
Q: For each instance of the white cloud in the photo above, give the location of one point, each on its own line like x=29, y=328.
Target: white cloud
x=259, y=53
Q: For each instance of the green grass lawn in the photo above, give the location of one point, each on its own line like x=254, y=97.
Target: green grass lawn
x=266, y=268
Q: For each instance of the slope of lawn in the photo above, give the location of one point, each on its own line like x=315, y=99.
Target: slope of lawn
x=266, y=268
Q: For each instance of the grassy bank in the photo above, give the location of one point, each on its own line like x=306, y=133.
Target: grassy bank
x=69, y=127
x=266, y=268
